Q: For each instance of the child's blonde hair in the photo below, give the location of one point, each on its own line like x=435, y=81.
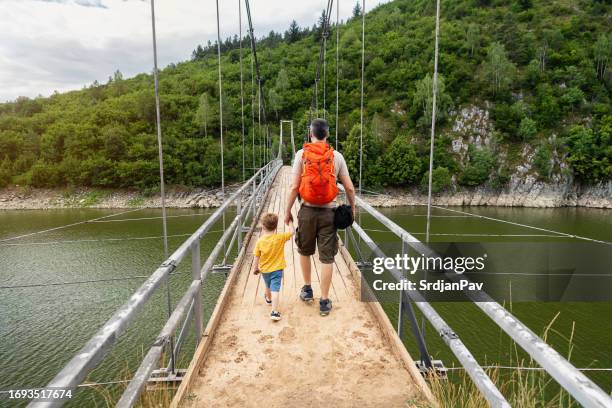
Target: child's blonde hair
x=269, y=221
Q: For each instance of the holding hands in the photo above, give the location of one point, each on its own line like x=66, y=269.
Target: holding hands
x=288, y=218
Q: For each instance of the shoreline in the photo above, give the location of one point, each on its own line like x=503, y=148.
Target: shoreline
x=17, y=198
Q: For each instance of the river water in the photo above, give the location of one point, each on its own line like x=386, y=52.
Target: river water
x=42, y=327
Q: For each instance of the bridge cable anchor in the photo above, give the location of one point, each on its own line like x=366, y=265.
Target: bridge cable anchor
x=222, y=268
x=438, y=370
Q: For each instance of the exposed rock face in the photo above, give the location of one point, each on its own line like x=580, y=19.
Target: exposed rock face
x=527, y=192
x=472, y=127
x=472, y=121
x=27, y=198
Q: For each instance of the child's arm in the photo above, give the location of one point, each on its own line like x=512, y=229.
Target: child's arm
x=256, y=270
x=256, y=255
x=287, y=235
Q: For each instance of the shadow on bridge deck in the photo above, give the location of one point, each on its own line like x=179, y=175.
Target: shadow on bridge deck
x=351, y=358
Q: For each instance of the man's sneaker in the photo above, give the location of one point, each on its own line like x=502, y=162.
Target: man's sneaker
x=325, y=307
x=275, y=316
x=268, y=301
x=306, y=293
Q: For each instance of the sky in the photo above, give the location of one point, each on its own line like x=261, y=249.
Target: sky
x=49, y=45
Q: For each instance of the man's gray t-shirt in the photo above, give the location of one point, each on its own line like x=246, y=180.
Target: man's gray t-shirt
x=340, y=169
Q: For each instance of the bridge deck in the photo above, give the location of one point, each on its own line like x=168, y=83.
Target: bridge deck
x=350, y=358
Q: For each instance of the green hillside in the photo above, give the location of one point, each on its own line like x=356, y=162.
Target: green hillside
x=537, y=72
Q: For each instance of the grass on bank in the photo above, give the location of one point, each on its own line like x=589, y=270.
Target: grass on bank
x=525, y=386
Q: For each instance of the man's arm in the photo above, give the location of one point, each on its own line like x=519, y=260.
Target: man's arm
x=293, y=193
x=349, y=188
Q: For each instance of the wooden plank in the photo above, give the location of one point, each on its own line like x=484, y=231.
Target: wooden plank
x=388, y=331
x=257, y=296
x=288, y=287
x=314, y=274
x=253, y=290
x=354, y=358
x=337, y=291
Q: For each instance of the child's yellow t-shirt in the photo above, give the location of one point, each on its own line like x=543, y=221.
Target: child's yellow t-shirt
x=271, y=251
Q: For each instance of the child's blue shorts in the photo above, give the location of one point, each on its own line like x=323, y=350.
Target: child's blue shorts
x=273, y=280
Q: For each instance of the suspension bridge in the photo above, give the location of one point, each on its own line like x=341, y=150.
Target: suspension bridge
x=355, y=357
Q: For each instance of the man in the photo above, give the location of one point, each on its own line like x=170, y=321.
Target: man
x=315, y=171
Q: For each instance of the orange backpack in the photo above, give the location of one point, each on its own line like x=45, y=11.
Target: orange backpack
x=318, y=183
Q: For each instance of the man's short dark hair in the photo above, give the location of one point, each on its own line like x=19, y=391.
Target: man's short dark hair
x=319, y=128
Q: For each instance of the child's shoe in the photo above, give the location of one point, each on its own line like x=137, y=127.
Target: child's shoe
x=275, y=316
x=268, y=301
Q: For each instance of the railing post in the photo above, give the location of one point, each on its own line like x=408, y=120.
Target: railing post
x=400, y=313
x=280, y=142
x=197, y=299
x=292, y=139
x=254, y=200
x=239, y=214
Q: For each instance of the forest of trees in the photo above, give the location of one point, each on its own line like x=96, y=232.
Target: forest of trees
x=540, y=67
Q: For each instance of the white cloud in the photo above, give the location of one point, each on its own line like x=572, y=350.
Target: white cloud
x=49, y=45
x=86, y=3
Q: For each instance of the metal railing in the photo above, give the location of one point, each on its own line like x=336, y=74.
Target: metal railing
x=482, y=381
x=189, y=306
x=579, y=386
x=292, y=138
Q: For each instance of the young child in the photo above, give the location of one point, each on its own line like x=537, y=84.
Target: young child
x=270, y=259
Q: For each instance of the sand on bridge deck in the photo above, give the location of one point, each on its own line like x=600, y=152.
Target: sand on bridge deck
x=351, y=358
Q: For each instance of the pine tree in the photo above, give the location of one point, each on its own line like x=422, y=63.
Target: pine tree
x=293, y=34
x=356, y=10
x=321, y=26
x=198, y=53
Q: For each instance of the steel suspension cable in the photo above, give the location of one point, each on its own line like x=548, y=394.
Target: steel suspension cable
x=433, y=119
x=82, y=282
x=221, y=113
x=241, y=86
x=262, y=153
x=268, y=143
x=433, y=129
x=145, y=218
x=362, y=81
x=80, y=241
x=45, y=285
x=337, y=63
x=563, y=234
x=161, y=171
x=521, y=368
x=220, y=101
x=324, y=33
x=67, y=226
x=253, y=109
x=261, y=99
x=324, y=74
